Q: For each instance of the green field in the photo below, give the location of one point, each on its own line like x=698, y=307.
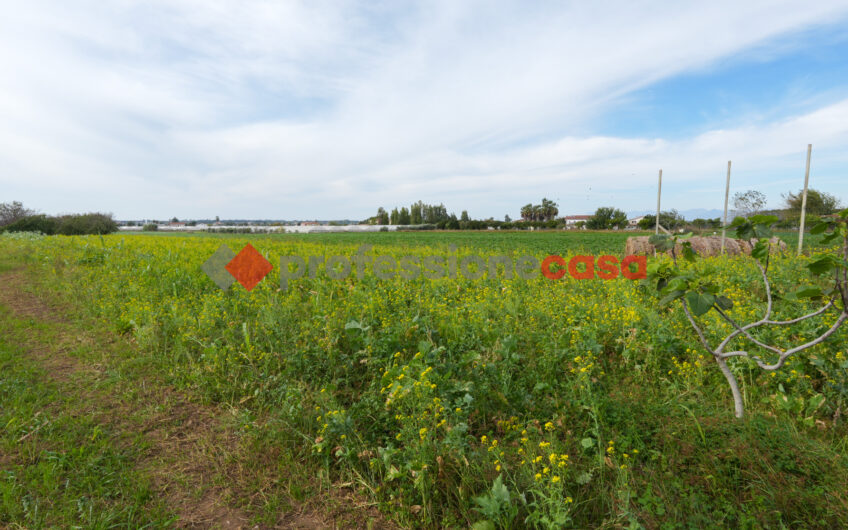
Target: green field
x=540, y=242
x=440, y=403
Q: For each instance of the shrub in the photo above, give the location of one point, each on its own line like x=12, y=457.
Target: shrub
x=34, y=223
x=78, y=224
x=83, y=224
x=151, y=227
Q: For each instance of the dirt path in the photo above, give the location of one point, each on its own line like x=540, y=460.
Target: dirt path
x=190, y=450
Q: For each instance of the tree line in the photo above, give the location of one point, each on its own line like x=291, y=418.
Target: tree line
x=546, y=211
x=14, y=217
x=423, y=216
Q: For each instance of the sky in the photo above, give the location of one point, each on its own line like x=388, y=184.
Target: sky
x=329, y=109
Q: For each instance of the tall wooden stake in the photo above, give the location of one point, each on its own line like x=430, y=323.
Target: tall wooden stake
x=726, y=197
x=804, y=200
x=659, y=193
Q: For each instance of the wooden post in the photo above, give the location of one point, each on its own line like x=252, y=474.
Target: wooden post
x=726, y=197
x=659, y=193
x=804, y=200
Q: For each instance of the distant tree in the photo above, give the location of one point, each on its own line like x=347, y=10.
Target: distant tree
x=174, y=220
x=217, y=219
x=527, y=212
x=818, y=203
x=382, y=216
x=549, y=210
x=703, y=224
x=404, y=217
x=435, y=213
x=416, y=213
x=507, y=219
x=669, y=220
x=421, y=213
x=13, y=211
x=537, y=212
x=464, y=216
x=647, y=222
x=546, y=211
x=748, y=203
x=452, y=223
x=606, y=218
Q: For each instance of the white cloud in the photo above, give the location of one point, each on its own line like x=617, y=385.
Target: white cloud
x=329, y=109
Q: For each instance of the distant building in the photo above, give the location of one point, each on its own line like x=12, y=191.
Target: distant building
x=309, y=223
x=635, y=221
x=175, y=225
x=572, y=220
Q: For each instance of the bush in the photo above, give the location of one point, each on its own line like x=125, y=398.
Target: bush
x=670, y=220
x=34, y=223
x=607, y=218
x=83, y=224
x=70, y=225
x=150, y=227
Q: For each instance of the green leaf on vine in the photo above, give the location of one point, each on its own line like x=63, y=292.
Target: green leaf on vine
x=672, y=296
x=808, y=292
x=700, y=302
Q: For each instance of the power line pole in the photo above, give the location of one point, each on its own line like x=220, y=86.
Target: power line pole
x=804, y=200
x=659, y=193
x=726, y=197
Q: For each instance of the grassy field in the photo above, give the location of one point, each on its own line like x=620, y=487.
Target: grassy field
x=443, y=402
x=540, y=242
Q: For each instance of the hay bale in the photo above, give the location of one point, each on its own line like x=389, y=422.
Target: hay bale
x=703, y=246
x=638, y=246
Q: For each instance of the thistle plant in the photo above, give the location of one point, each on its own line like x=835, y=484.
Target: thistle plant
x=697, y=294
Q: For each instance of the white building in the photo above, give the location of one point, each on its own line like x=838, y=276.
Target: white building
x=572, y=220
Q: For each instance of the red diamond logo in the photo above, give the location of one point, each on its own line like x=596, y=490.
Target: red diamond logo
x=249, y=267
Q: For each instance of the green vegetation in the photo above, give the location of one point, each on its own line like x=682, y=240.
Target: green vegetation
x=69, y=225
x=670, y=220
x=607, y=218
x=818, y=203
x=61, y=466
x=498, y=402
x=699, y=294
